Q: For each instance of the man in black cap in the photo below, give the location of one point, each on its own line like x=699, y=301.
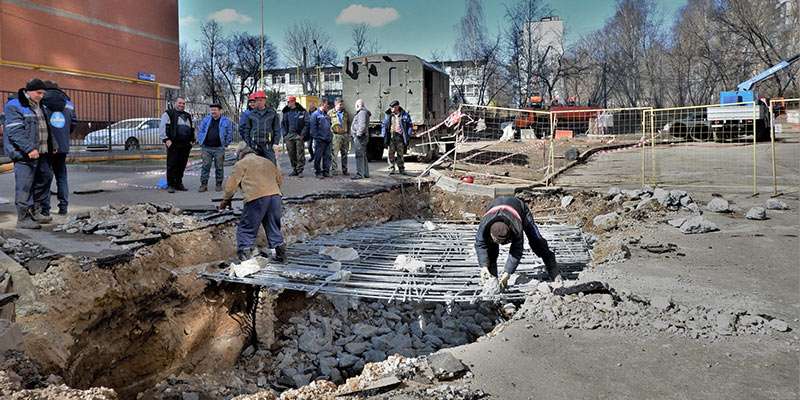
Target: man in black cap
x=29, y=144
x=396, y=129
x=506, y=220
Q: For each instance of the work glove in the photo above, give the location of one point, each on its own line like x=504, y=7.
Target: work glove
x=553, y=270
x=485, y=275
x=224, y=204
x=503, y=281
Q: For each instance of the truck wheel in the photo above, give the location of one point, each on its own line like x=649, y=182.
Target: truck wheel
x=375, y=150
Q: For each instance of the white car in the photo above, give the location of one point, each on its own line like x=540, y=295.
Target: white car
x=130, y=133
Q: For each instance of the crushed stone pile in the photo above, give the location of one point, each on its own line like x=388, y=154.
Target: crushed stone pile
x=336, y=340
x=630, y=312
x=141, y=222
x=27, y=253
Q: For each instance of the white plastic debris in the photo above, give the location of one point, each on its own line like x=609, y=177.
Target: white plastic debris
x=339, y=253
x=508, y=132
x=334, y=266
x=430, y=226
x=341, y=276
x=246, y=268
x=410, y=264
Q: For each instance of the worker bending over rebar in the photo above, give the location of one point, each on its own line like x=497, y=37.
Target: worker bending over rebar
x=260, y=182
x=504, y=222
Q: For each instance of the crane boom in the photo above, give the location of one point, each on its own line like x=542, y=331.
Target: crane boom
x=748, y=84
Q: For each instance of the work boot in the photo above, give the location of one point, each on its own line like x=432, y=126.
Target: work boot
x=218, y=187
x=391, y=171
x=25, y=220
x=553, y=272
x=356, y=177
x=280, y=253
x=62, y=210
x=203, y=188
x=345, y=173
x=402, y=171
x=244, y=254
x=170, y=189
x=326, y=174
x=181, y=188
x=294, y=173
x=41, y=218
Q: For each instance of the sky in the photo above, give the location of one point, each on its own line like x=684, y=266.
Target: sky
x=418, y=27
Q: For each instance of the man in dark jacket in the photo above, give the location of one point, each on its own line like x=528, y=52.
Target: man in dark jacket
x=360, y=131
x=320, y=128
x=251, y=104
x=28, y=142
x=295, y=128
x=177, y=133
x=62, y=123
x=396, y=129
x=506, y=220
x=262, y=129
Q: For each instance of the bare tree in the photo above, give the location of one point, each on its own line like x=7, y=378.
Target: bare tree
x=362, y=43
x=479, y=55
x=211, y=41
x=318, y=45
x=520, y=43
x=187, y=65
x=244, y=73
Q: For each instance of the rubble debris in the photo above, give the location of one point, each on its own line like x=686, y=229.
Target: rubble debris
x=606, y=222
x=756, y=213
x=697, y=224
x=324, y=342
x=566, y=201
x=659, y=248
x=410, y=264
x=31, y=255
x=775, y=204
x=631, y=312
x=719, y=205
x=585, y=288
x=445, y=366
x=430, y=226
x=248, y=267
x=778, y=325
x=339, y=253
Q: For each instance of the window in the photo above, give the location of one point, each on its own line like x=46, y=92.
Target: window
x=293, y=80
x=392, y=75
x=333, y=76
x=152, y=124
x=277, y=79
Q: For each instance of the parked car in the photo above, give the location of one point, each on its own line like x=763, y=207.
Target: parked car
x=693, y=126
x=130, y=133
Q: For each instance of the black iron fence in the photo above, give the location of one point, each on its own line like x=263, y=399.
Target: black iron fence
x=113, y=121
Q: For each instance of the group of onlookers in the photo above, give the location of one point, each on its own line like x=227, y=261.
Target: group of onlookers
x=37, y=124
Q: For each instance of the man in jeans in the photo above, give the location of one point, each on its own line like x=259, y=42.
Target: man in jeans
x=260, y=182
x=27, y=141
x=360, y=132
x=62, y=123
x=177, y=132
x=340, y=124
x=214, y=135
x=294, y=125
x=397, y=129
x=320, y=128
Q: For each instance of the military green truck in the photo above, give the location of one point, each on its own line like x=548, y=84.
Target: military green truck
x=421, y=88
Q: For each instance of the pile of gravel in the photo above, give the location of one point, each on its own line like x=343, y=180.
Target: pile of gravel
x=644, y=315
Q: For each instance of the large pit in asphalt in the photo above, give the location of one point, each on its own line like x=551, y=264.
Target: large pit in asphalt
x=133, y=323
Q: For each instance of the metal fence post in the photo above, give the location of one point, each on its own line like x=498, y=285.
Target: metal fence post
x=653, y=147
x=772, y=145
x=108, y=119
x=755, y=159
x=642, y=143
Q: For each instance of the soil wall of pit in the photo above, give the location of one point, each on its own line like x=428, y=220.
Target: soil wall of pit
x=132, y=324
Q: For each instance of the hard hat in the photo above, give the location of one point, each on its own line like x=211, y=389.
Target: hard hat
x=251, y=97
x=291, y=98
x=259, y=94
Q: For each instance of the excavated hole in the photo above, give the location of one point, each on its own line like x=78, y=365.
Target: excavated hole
x=138, y=321
x=333, y=337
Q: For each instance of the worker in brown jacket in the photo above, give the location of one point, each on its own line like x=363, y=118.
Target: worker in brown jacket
x=260, y=182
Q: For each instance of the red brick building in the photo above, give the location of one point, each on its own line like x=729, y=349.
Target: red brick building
x=118, y=46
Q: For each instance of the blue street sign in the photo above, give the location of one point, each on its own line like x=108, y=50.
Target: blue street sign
x=147, y=76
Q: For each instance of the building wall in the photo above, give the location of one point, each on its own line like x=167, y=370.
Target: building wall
x=119, y=38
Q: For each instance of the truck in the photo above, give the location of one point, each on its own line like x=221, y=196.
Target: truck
x=422, y=89
x=734, y=117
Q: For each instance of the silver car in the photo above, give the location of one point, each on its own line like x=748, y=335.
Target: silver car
x=130, y=133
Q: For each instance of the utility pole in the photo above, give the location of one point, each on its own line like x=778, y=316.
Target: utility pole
x=261, y=58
